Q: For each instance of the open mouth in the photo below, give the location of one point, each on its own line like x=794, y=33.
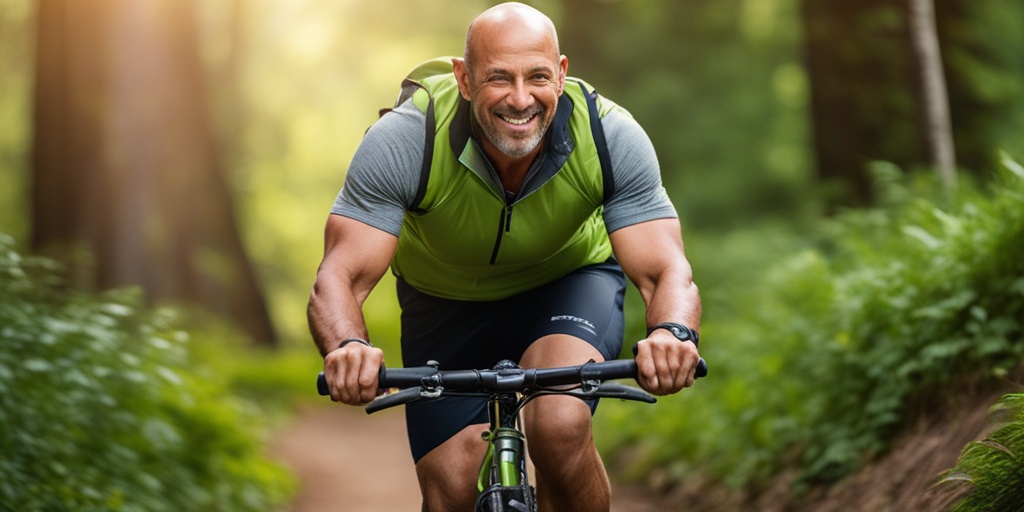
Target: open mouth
x=517, y=120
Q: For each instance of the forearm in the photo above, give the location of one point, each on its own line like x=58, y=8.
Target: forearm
x=356, y=255
x=675, y=298
x=334, y=314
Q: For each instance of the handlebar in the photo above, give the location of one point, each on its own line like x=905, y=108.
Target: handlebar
x=503, y=380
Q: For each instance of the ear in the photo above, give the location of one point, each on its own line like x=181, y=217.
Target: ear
x=461, y=76
x=563, y=70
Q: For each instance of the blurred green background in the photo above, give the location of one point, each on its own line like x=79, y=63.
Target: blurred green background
x=138, y=139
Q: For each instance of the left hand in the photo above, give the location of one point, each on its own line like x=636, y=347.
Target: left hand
x=664, y=364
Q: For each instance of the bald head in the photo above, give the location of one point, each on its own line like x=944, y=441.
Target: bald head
x=510, y=23
x=512, y=75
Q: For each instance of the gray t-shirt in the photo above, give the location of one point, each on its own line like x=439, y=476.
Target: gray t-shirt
x=385, y=171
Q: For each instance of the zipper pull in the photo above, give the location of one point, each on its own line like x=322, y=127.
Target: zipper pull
x=508, y=218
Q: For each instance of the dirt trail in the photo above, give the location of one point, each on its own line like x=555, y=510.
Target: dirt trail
x=347, y=461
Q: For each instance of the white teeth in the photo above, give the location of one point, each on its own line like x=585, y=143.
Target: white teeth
x=509, y=120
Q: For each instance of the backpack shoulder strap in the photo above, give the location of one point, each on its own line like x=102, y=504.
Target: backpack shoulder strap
x=412, y=83
x=597, y=129
x=428, y=157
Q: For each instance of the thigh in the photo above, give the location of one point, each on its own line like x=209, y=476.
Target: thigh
x=430, y=424
x=587, y=304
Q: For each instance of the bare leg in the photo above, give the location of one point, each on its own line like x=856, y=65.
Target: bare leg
x=447, y=474
x=570, y=473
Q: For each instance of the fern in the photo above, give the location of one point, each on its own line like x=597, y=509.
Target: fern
x=993, y=469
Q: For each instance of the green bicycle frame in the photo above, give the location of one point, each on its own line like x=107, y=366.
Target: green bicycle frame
x=504, y=462
x=508, y=444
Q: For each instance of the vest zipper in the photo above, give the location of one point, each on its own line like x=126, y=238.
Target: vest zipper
x=504, y=226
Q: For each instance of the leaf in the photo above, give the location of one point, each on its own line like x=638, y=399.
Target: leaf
x=1010, y=164
x=926, y=238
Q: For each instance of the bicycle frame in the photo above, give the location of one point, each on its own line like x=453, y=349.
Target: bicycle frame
x=508, y=442
x=502, y=481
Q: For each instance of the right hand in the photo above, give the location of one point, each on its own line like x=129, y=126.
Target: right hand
x=665, y=365
x=351, y=373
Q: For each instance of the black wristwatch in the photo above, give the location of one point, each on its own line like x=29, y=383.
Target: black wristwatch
x=681, y=332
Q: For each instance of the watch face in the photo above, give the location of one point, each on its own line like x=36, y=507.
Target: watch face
x=683, y=333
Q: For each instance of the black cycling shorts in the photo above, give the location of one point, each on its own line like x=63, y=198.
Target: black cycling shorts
x=462, y=335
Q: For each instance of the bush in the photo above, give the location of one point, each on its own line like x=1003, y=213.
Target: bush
x=103, y=409
x=816, y=362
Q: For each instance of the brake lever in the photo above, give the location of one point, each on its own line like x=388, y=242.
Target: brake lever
x=402, y=397
x=597, y=389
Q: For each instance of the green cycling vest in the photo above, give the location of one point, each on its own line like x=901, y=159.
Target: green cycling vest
x=462, y=239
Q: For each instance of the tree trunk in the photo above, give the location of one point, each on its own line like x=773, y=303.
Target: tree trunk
x=862, y=94
x=125, y=163
x=934, y=98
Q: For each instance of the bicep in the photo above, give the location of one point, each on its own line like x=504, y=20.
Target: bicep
x=649, y=251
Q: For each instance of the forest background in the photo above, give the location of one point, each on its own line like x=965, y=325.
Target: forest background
x=193, y=149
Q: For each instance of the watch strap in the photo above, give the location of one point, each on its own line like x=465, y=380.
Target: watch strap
x=680, y=331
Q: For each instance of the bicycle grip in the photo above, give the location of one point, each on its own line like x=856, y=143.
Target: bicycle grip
x=403, y=377
x=321, y=385
x=701, y=370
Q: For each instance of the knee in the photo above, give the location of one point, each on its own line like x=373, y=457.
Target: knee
x=558, y=428
x=447, y=475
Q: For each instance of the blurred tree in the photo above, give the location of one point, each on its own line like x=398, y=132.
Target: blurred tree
x=862, y=91
x=868, y=86
x=934, y=99
x=982, y=46
x=125, y=164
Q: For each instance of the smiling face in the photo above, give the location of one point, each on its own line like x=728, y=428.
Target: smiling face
x=512, y=75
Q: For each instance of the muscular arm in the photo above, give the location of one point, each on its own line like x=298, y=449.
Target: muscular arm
x=651, y=254
x=356, y=255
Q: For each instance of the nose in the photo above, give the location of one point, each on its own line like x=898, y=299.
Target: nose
x=520, y=97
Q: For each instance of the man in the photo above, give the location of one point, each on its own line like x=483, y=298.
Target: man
x=504, y=250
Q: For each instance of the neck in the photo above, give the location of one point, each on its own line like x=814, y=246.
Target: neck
x=511, y=170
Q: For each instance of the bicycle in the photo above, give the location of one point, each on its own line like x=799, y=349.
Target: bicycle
x=502, y=483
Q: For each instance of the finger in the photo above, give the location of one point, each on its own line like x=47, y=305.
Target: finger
x=667, y=371
x=368, y=374
x=647, y=374
x=684, y=377
x=670, y=368
x=353, y=367
x=331, y=372
x=691, y=372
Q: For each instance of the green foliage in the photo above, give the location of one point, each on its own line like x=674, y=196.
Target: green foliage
x=993, y=469
x=275, y=378
x=103, y=409
x=815, y=363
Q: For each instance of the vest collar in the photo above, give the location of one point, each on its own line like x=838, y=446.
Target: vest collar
x=558, y=145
